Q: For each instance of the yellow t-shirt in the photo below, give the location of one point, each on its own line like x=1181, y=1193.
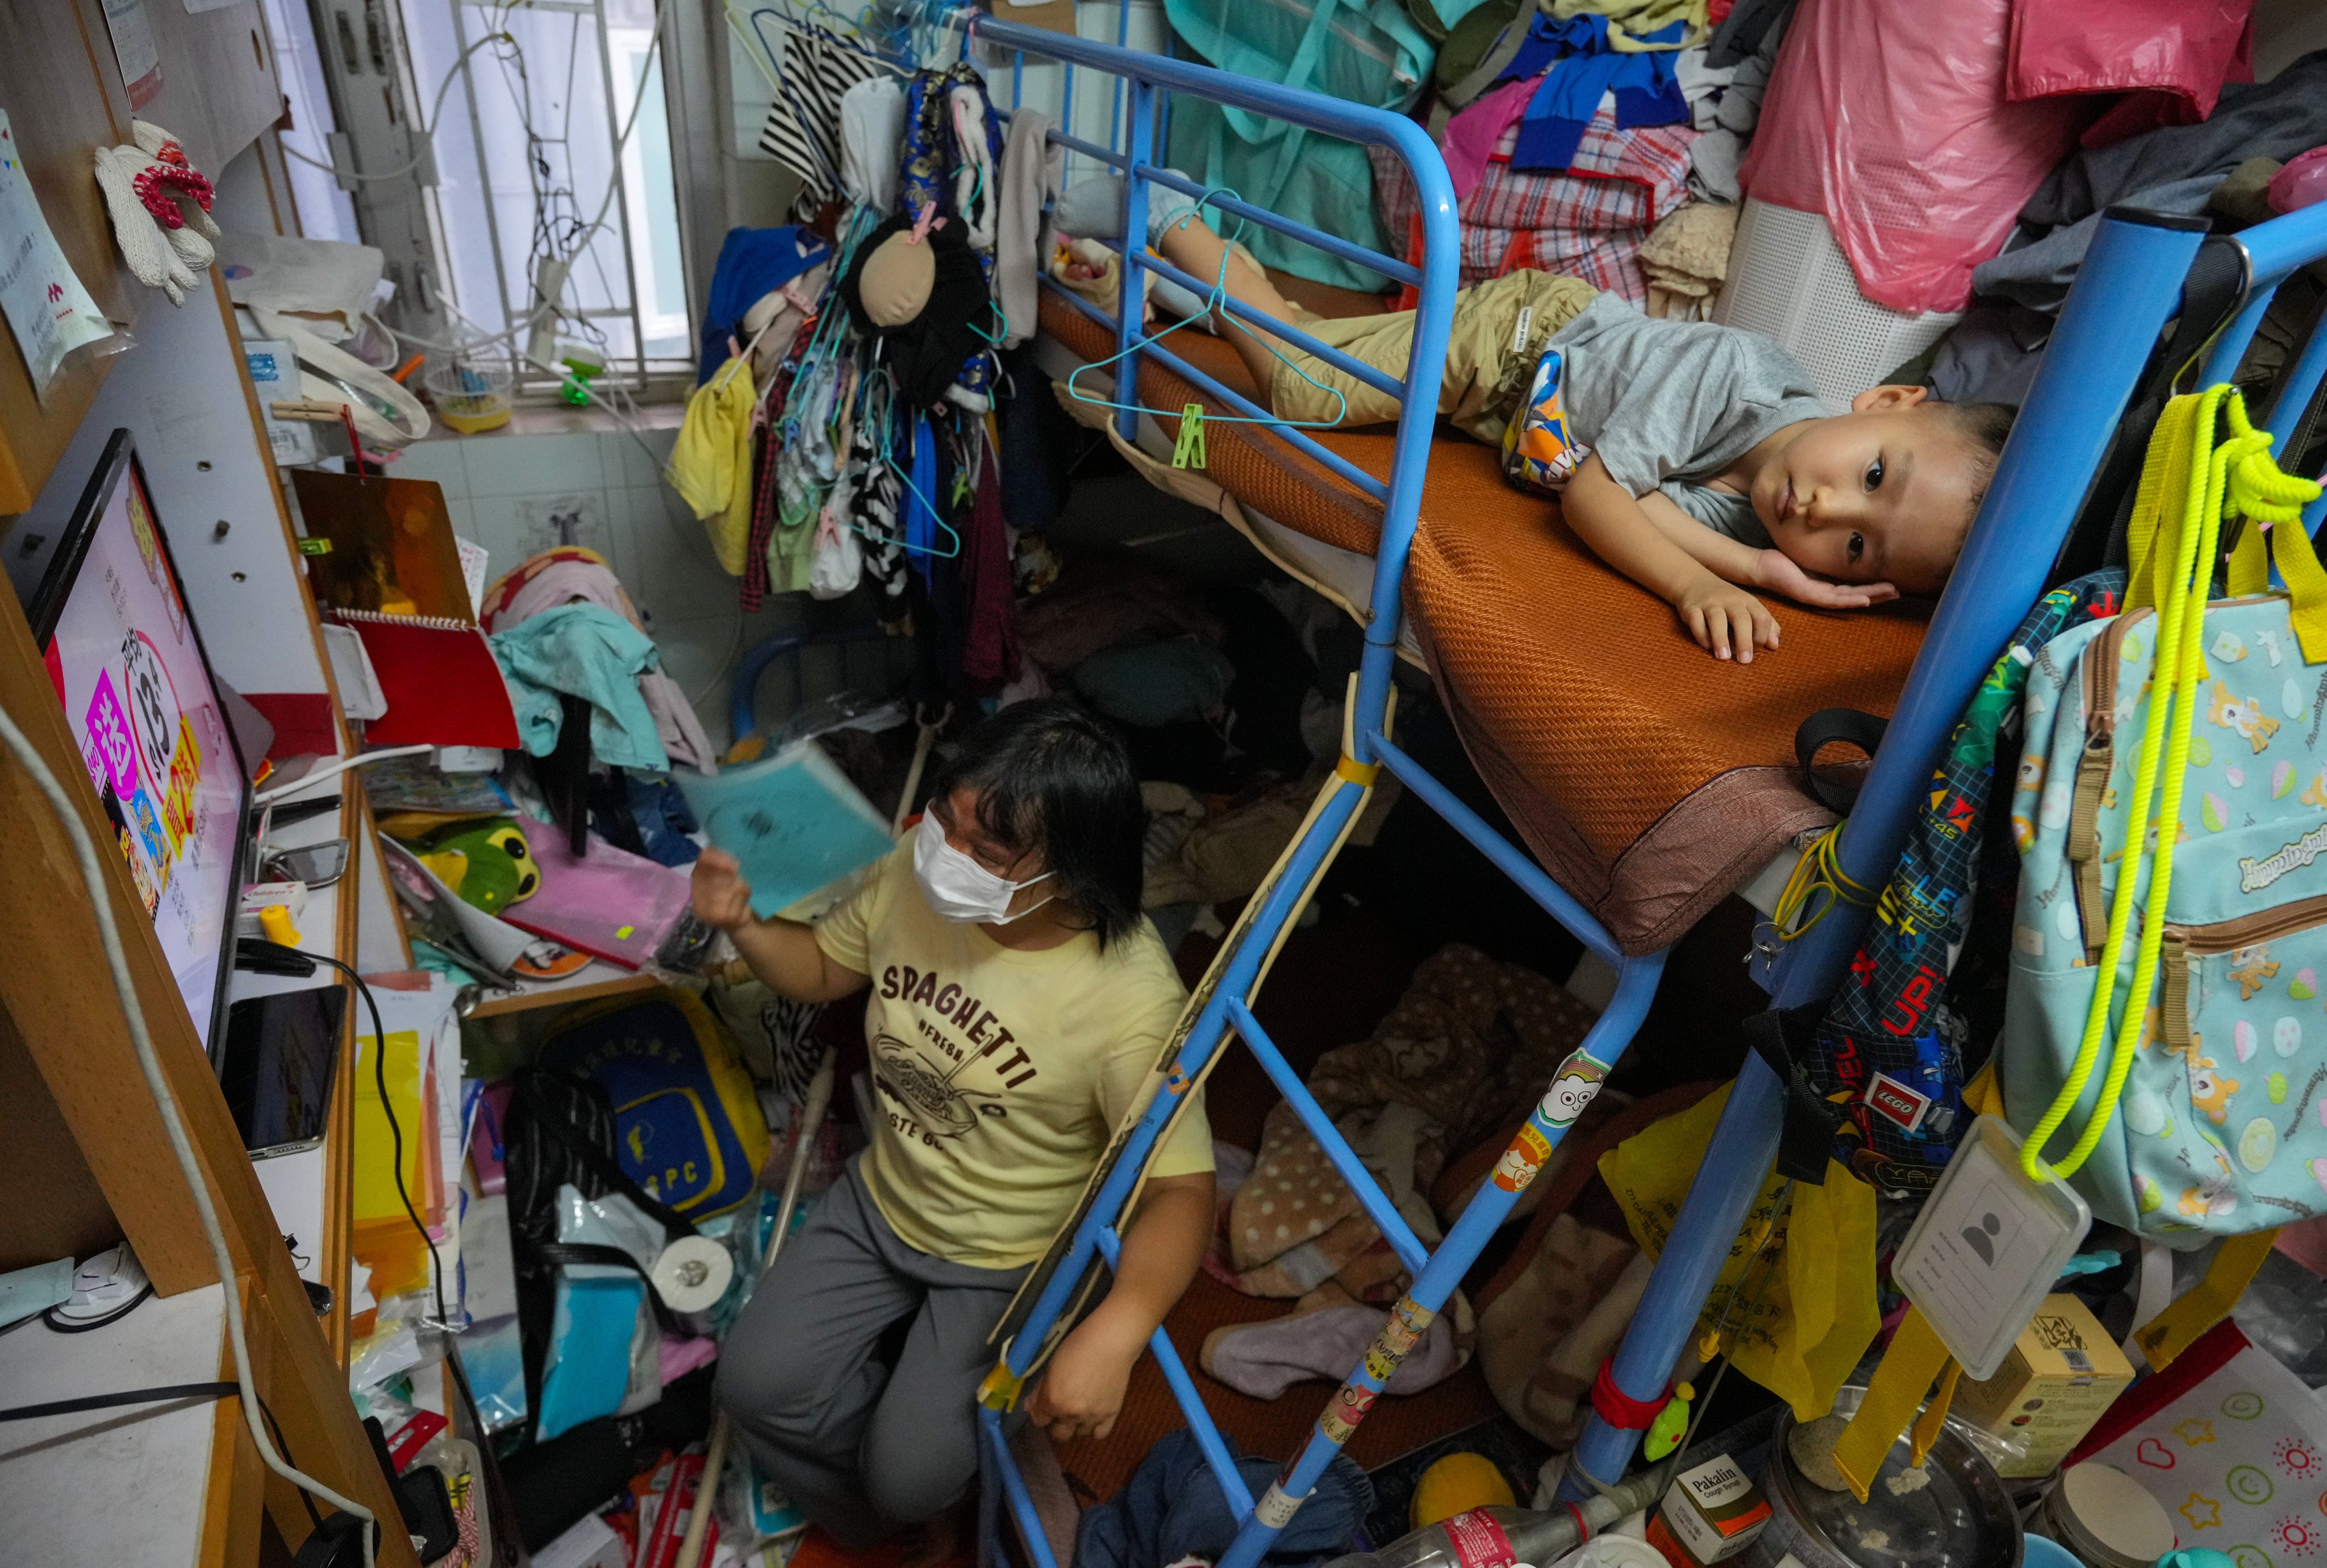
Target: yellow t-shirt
x=1000, y=1074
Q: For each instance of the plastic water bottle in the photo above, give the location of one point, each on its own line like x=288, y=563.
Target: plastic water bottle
x=1490, y=1537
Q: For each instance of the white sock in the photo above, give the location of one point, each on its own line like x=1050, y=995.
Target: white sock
x=1092, y=209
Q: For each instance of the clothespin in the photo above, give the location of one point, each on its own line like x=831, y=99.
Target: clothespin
x=1664, y=1432
x=1189, y=452
x=927, y=220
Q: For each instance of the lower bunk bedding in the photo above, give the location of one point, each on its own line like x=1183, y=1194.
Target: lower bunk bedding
x=1428, y=1066
x=1650, y=781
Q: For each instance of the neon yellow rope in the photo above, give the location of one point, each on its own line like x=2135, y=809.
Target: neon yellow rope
x=1820, y=869
x=2175, y=667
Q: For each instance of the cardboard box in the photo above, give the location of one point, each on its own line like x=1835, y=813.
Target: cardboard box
x=1057, y=15
x=1710, y=1514
x=2064, y=1372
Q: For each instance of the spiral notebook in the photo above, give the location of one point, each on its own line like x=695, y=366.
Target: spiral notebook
x=374, y=543
x=442, y=685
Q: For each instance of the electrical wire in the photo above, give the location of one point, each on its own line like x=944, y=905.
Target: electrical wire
x=427, y=128
x=395, y=1134
x=149, y=1062
x=580, y=243
x=333, y=770
x=127, y=1396
x=274, y=1427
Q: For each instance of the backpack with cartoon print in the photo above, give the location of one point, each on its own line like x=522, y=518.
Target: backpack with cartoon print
x=2165, y=1042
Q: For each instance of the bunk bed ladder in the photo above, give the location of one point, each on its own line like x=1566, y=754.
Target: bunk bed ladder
x=1228, y=1007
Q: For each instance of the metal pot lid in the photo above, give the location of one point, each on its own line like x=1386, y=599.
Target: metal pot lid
x=1953, y=1513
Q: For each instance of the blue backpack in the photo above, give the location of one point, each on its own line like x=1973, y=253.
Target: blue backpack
x=2165, y=1041
x=688, y=1126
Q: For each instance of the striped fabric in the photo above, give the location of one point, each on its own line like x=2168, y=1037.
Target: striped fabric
x=1587, y=222
x=802, y=132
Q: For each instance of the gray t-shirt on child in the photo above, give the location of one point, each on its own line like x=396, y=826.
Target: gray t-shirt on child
x=1667, y=404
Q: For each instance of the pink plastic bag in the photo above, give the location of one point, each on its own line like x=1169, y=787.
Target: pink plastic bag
x=2171, y=57
x=2302, y=181
x=1890, y=118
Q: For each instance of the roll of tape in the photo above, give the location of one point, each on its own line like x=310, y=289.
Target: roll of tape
x=692, y=1274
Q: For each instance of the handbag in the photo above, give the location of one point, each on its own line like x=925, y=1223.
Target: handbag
x=2165, y=1044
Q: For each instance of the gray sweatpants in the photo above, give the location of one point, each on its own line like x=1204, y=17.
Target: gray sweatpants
x=862, y=1447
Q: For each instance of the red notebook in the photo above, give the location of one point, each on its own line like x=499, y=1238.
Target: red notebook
x=442, y=685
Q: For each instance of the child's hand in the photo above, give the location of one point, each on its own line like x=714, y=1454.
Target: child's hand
x=1726, y=620
x=1082, y=1389
x=722, y=899
x=1780, y=574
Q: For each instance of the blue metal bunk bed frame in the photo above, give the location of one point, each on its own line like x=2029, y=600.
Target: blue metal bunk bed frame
x=2130, y=287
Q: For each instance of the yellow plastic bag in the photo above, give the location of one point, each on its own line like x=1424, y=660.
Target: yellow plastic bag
x=1808, y=1312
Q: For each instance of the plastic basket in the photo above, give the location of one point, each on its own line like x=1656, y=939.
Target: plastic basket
x=470, y=394
x=1788, y=278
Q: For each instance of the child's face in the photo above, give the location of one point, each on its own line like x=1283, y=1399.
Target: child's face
x=1877, y=495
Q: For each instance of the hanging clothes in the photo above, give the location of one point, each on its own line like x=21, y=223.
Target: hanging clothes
x=990, y=654
x=920, y=500
x=874, y=495
x=753, y=263
x=872, y=140
x=710, y=464
x=1032, y=169
x=802, y=130
x=753, y=590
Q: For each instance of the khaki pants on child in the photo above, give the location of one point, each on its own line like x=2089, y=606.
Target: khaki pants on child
x=1500, y=330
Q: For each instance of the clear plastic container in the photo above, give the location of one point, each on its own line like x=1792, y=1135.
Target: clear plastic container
x=471, y=395
x=2105, y=1516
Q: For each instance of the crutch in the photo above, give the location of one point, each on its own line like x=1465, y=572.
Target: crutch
x=819, y=1098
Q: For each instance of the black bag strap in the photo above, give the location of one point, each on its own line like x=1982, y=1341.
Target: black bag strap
x=1836, y=726
x=2216, y=283
x=593, y=1159
x=1785, y=1040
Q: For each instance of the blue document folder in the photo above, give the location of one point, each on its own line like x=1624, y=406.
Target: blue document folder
x=794, y=821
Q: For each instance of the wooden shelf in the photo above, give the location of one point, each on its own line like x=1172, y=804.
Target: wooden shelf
x=320, y=1183
x=131, y=1486
x=595, y=979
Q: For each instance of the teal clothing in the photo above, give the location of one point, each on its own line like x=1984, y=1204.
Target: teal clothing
x=588, y=651
x=1367, y=51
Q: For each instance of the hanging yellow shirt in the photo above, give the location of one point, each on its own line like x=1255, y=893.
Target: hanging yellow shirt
x=710, y=464
x=1000, y=1074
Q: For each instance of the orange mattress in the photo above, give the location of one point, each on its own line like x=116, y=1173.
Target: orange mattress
x=1649, y=778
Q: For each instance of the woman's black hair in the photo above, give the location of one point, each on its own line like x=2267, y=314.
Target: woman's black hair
x=1050, y=777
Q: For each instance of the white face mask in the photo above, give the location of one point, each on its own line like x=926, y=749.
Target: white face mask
x=959, y=888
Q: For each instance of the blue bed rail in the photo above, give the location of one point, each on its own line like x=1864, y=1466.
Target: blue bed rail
x=1149, y=81
x=2130, y=287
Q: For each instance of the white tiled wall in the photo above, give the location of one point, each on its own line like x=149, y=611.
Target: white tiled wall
x=506, y=492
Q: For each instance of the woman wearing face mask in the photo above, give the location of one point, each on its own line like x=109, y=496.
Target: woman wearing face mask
x=1019, y=1004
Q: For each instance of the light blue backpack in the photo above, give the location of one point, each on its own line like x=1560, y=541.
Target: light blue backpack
x=2172, y=1060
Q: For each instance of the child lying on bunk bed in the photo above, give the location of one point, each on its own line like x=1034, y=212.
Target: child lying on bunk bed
x=1695, y=459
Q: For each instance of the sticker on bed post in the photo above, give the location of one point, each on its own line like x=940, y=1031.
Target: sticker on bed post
x=1275, y=1510
x=1522, y=1160
x=1398, y=1335
x=1579, y=1080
